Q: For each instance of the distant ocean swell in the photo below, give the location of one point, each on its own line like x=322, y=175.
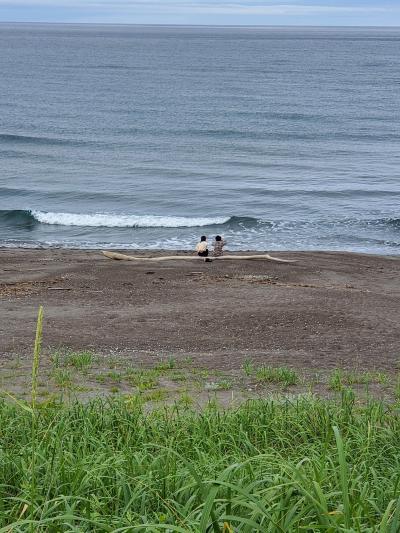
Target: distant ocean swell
x=31, y=218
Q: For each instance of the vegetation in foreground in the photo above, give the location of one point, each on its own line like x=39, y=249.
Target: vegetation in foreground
x=308, y=465
x=108, y=465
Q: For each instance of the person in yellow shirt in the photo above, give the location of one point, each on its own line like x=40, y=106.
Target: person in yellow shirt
x=202, y=247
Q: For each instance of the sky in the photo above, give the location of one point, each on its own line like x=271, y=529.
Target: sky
x=210, y=12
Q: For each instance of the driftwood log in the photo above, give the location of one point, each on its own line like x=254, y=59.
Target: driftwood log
x=265, y=257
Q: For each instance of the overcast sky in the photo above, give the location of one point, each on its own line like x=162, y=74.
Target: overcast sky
x=243, y=12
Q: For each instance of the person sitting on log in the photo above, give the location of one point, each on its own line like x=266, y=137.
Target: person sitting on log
x=202, y=247
x=219, y=244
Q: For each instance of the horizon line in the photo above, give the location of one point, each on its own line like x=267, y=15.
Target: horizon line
x=199, y=25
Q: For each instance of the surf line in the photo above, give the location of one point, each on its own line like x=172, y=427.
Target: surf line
x=266, y=257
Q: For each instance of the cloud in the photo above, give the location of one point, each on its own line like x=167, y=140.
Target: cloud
x=238, y=7
x=367, y=12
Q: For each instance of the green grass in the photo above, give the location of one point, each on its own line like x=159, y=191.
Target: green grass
x=339, y=378
x=268, y=466
x=280, y=375
x=64, y=357
x=143, y=379
x=166, y=364
x=114, y=376
x=248, y=367
x=80, y=360
x=306, y=465
x=397, y=389
x=224, y=384
x=62, y=377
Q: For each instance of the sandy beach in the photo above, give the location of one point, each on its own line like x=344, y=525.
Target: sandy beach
x=327, y=310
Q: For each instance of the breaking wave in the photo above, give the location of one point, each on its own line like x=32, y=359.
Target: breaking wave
x=30, y=218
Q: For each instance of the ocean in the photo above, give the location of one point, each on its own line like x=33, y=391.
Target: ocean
x=145, y=137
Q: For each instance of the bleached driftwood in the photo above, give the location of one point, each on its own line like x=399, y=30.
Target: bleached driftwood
x=265, y=257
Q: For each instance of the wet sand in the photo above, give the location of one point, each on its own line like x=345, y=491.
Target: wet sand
x=325, y=311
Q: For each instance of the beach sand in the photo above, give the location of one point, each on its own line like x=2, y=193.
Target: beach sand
x=327, y=310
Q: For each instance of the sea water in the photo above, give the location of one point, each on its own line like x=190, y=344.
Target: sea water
x=150, y=136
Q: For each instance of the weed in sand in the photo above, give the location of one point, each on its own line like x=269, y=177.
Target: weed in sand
x=336, y=380
x=62, y=377
x=79, y=360
x=178, y=376
x=283, y=375
x=248, y=367
x=339, y=378
x=157, y=395
x=116, y=377
x=143, y=379
x=224, y=384
x=382, y=378
x=56, y=359
x=166, y=364
x=185, y=400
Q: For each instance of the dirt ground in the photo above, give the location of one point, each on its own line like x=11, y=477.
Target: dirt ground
x=326, y=311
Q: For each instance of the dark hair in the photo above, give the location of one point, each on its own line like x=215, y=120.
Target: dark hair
x=203, y=238
x=218, y=238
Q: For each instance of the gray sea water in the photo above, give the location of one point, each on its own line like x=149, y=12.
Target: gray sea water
x=147, y=137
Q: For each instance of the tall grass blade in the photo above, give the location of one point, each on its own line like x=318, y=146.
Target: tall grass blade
x=343, y=475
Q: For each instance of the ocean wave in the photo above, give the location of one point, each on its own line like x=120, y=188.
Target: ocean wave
x=13, y=139
x=30, y=218
x=17, y=218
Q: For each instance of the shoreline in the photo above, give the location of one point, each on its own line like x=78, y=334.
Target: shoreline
x=180, y=251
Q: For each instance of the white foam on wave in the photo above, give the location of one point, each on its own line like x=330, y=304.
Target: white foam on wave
x=124, y=221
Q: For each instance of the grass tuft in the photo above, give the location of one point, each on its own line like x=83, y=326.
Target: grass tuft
x=79, y=360
x=281, y=375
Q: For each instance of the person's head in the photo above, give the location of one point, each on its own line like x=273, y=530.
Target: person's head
x=203, y=238
x=218, y=238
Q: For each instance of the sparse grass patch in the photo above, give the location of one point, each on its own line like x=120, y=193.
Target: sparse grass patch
x=79, y=360
x=248, y=367
x=62, y=377
x=281, y=375
x=114, y=376
x=336, y=380
x=185, y=400
x=144, y=379
x=166, y=364
x=339, y=378
x=178, y=376
x=223, y=384
x=157, y=395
